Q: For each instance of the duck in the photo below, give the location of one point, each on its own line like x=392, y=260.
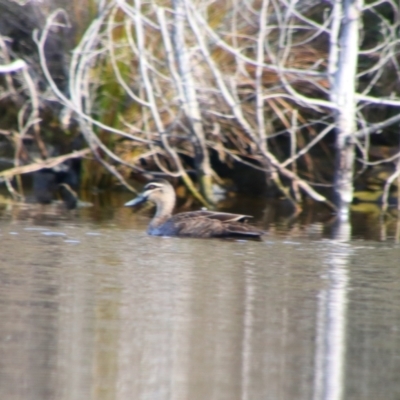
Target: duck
x=198, y=224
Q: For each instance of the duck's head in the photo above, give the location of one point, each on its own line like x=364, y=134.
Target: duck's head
x=158, y=191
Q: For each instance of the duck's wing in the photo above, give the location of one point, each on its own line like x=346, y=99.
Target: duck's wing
x=220, y=216
x=210, y=224
x=242, y=230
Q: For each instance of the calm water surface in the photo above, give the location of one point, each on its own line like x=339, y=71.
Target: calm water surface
x=93, y=308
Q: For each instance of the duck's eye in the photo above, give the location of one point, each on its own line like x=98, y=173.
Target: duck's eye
x=151, y=187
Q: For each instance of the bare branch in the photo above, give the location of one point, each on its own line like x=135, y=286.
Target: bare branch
x=15, y=66
x=377, y=127
x=49, y=163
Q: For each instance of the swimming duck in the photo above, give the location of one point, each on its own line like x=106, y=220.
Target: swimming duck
x=201, y=224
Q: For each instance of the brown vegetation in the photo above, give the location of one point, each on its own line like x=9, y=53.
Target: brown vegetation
x=176, y=89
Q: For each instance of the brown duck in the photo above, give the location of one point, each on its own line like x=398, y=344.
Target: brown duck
x=201, y=224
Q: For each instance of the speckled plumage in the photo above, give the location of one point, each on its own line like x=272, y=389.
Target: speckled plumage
x=201, y=224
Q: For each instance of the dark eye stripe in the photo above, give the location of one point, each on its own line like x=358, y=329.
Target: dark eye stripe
x=152, y=186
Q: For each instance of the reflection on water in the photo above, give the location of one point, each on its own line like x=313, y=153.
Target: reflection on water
x=91, y=307
x=330, y=351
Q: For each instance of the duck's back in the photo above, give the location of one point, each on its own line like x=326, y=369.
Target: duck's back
x=205, y=224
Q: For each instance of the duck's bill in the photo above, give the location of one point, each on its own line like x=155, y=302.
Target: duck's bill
x=136, y=201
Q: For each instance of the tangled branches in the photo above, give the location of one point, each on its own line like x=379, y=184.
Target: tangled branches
x=175, y=84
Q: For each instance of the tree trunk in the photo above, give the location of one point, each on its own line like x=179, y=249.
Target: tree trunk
x=189, y=101
x=343, y=95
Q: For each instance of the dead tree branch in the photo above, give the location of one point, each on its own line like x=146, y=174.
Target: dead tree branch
x=42, y=164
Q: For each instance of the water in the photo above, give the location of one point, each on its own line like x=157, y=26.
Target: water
x=93, y=308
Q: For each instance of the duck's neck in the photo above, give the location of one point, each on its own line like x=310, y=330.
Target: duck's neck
x=164, y=211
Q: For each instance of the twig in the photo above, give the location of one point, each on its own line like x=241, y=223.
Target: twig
x=15, y=66
x=376, y=127
x=237, y=111
x=48, y=163
x=153, y=108
x=16, y=196
x=387, y=186
x=92, y=31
